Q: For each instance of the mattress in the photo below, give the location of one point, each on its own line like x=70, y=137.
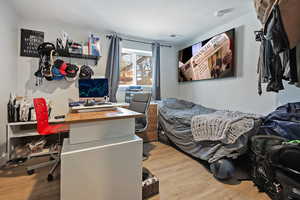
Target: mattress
x=175, y=119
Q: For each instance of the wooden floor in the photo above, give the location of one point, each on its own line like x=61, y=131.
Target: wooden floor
x=15, y=184
x=180, y=178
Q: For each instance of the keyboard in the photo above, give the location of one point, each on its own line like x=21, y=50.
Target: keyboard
x=102, y=103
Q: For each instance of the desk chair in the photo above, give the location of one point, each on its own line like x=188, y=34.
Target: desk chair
x=140, y=103
x=43, y=128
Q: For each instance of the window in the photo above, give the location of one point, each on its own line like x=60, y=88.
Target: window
x=136, y=68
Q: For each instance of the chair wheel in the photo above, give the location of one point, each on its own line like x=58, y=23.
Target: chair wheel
x=30, y=172
x=50, y=177
x=145, y=158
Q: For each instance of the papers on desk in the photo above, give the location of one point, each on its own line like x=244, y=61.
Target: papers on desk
x=113, y=114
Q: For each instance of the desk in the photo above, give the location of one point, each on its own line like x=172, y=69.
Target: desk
x=93, y=126
x=148, y=135
x=102, y=159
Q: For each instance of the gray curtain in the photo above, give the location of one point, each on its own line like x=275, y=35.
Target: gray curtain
x=156, y=71
x=112, y=72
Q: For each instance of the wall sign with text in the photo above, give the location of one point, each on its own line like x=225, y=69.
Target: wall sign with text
x=30, y=40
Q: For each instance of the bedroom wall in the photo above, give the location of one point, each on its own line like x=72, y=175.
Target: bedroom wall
x=8, y=55
x=60, y=91
x=240, y=92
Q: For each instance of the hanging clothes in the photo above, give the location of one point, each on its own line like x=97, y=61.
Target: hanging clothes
x=264, y=63
x=277, y=61
x=276, y=71
x=285, y=59
x=293, y=66
x=275, y=32
x=298, y=64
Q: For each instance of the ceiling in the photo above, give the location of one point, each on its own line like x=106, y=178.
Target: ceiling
x=151, y=19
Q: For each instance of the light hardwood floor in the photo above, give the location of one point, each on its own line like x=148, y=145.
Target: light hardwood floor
x=181, y=178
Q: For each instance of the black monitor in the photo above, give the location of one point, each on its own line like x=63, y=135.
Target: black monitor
x=93, y=88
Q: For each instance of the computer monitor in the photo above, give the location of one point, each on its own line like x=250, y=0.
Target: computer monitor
x=93, y=88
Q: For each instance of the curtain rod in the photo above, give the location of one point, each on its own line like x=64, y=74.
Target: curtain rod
x=138, y=41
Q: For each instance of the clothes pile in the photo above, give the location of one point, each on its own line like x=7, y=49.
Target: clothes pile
x=280, y=37
x=283, y=122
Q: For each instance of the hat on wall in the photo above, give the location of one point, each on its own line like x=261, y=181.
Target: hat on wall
x=86, y=72
x=72, y=72
x=56, y=74
x=62, y=69
x=57, y=63
x=61, y=66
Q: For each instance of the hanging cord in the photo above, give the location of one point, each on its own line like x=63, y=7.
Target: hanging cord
x=51, y=58
x=52, y=61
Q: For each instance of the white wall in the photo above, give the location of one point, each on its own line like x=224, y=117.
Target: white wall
x=60, y=91
x=240, y=92
x=8, y=55
x=290, y=94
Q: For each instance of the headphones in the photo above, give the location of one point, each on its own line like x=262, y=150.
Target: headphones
x=45, y=49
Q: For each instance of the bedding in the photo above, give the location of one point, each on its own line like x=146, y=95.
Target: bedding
x=224, y=126
x=175, y=118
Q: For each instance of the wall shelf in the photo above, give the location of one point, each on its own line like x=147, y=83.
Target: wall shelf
x=61, y=53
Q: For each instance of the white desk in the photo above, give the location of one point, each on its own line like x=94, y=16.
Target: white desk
x=102, y=159
x=103, y=170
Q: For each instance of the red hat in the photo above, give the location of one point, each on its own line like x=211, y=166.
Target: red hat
x=62, y=69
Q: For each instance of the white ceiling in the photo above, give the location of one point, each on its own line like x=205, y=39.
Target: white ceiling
x=151, y=19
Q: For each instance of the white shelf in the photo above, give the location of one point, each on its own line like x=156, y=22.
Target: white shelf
x=17, y=131
x=24, y=133
x=21, y=123
x=34, y=122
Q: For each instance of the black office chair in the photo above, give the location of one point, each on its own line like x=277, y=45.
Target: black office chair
x=140, y=103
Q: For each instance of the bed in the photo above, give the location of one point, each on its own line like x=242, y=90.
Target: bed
x=175, y=122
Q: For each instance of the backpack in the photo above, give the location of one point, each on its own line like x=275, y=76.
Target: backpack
x=275, y=166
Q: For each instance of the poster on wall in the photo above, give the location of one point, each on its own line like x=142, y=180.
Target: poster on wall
x=210, y=59
x=30, y=40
